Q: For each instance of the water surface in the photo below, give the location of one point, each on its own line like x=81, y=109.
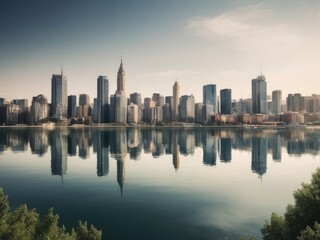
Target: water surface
x=158, y=184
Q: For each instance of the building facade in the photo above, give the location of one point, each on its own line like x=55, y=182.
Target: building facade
x=72, y=106
x=102, y=109
x=39, y=109
x=225, y=102
x=59, y=100
x=176, y=96
x=276, y=102
x=187, y=108
x=209, y=101
x=259, y=95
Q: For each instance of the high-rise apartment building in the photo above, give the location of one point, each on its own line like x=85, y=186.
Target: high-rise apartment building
x=209, y=101
x=276, y=102
x=59, y=100
x=72, y=106
x=135, y=98
x=39, y=108
x=225, y=102
x=259, y=95
x=187, y=108
x=84, y=105
x=102, y=109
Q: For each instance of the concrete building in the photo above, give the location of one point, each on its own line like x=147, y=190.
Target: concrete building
x=102, y=109
x=159, y=99
x=2, y=101
x=175, y=106
x=166, y=112
x=84, y=105
x=72, y=106
x=158, y=114
x=59, y=100
x=135, y=98
x=169, y=101
x=198, y=112
x=22, y=103
x=120, y=109
x=133, y=113
x=149, y=110
x=9, y=114
x=187, y=108
x=39, y=108
x=259, y=95
x=226, y=106
x=209, y=101
x=276, y=102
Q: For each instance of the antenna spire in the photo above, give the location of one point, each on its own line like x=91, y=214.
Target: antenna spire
x=61, y=70
x=121, y=57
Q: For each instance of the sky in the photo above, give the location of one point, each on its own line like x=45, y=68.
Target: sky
x=194, y=42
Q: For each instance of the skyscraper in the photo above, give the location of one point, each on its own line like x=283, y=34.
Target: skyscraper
x=121, y=80
x=209, y=101
x=225, y=95
x=276, y=102
x=59, y=100
x=120, y=100
x=259, y=95
x=187, y=108
x=84, y=105
x=102, y=99
x=136, y=99
x=175, y=108
x=39, y=108
x=72, y=106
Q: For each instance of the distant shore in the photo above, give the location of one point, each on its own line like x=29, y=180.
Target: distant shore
x=186, y=126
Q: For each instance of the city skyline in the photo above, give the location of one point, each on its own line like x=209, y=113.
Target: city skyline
x=162, y=42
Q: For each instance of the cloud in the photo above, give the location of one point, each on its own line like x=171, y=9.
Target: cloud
x=246, y=28
x=169, y=74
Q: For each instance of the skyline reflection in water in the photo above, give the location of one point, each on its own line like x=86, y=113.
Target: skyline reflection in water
x=192, y=151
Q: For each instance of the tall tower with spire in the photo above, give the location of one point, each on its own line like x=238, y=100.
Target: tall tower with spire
x=259, y=95
x=119, y=103
x=121, y=79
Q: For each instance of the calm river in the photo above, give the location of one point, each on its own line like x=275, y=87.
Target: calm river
x=158, y=183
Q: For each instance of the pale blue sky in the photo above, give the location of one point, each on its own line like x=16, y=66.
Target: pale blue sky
x=194, y=42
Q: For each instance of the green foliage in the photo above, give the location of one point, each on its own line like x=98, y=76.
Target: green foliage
x=275, y=229
x=311, y=234
x=298, y=218
x=25, y=224
x=83, y=232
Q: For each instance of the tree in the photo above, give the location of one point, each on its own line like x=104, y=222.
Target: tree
x=25, y=224
x=311, y=234
x=83, y=232
x=300, y=216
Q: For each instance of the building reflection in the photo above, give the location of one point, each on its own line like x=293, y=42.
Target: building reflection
x=102, y=147
x=140, y=143
x=209, y=143
x=39, y=141
x=134, y=143
x=175, y=149
x=276, y=147
x=59, y=152
x=259, y=155
x=225, y=149
x=118, y=148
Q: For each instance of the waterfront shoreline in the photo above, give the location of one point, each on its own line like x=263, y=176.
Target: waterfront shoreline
x=251, y=127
